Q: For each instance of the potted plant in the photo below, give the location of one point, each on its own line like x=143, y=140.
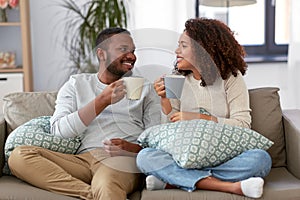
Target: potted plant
x=83, y=24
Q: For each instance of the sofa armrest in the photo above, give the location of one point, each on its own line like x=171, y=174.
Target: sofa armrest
x=2, y=142
x=291, y=122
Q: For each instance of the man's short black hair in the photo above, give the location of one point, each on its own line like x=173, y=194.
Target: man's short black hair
x=107, y=33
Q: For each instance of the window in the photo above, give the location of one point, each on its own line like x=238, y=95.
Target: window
x=262, y=28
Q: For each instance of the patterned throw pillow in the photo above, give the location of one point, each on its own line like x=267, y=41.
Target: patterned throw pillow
x=202, y=143
x=36, y=132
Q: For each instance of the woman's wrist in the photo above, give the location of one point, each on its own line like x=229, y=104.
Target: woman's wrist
x=208, y=117
x=166, y=105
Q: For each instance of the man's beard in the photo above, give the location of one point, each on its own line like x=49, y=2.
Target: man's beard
x=113, y=68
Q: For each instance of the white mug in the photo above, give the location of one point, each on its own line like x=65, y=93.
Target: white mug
x=134, y=86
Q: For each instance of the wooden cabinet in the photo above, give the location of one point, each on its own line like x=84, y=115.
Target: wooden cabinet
x=15, y=37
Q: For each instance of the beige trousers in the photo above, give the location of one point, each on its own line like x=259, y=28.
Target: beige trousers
x=91, y=175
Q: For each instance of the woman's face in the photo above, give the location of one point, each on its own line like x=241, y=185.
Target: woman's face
x=185, y=53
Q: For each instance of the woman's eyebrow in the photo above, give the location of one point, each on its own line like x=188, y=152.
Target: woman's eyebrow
x=182, y=42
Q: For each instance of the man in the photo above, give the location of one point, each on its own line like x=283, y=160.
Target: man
x=93, y=107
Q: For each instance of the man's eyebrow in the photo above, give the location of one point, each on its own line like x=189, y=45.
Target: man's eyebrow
x=126, y=45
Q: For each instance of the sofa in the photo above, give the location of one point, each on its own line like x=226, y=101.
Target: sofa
x=282, y=127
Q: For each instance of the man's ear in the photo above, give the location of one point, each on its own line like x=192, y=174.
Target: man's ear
x=101, y=54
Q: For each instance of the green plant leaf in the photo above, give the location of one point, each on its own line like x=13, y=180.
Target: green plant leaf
x=83, y=23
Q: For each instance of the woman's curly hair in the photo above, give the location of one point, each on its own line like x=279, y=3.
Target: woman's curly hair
x=215, y=48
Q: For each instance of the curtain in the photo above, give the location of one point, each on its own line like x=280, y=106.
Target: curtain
x=293, y=55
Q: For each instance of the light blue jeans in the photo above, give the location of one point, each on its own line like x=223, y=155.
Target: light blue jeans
x=252, y=163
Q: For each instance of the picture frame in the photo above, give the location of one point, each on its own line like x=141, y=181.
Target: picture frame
x=7, y=60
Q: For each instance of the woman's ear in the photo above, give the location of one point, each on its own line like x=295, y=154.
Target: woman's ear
x=101, y=54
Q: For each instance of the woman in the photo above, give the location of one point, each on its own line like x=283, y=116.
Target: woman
x=212, y=61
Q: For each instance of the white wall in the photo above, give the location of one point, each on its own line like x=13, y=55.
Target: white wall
x=50, y=60
x=271, y=75
x=48, y=55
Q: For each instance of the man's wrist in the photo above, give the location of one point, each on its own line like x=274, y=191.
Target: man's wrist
x=137, y=148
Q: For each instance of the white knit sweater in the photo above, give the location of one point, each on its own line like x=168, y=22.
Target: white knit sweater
x=125, y=119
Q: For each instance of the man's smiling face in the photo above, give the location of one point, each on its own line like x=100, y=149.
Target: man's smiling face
x=120, y=54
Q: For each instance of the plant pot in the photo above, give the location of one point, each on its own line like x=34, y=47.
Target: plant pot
x=3, y=15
